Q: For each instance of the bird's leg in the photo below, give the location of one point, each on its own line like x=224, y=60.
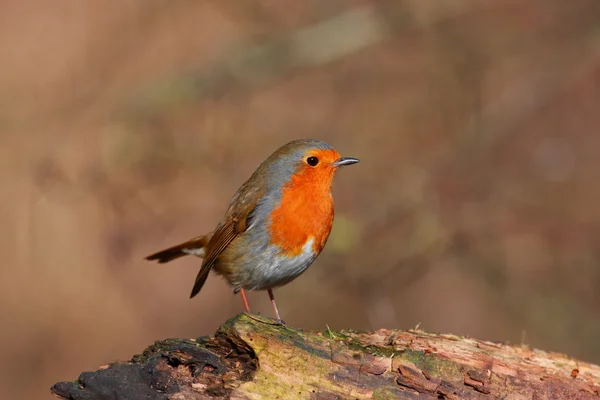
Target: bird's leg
x=275, y=306
x=245, y=300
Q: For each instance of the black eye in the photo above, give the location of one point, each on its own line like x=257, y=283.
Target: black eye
x=312, y=161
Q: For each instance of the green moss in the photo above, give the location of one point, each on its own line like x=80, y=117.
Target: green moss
x=434, y=366
x=284, y=334
x=384, y=394
x=336, y=336
x=378, y=351
x=231, y=322
x=300, y=342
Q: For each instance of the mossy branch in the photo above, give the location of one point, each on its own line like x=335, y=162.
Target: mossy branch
x=252, y=357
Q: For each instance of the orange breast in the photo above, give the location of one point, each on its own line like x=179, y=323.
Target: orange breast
x=305, y=211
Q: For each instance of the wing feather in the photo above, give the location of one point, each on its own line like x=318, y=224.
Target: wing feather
x=236, y=221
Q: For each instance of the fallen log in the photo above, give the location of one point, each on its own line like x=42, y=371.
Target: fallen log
x=252, y=357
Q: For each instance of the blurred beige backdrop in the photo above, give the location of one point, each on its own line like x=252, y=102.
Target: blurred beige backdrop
x=127, y=126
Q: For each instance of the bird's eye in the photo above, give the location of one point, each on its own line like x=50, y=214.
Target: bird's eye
x=312, y=161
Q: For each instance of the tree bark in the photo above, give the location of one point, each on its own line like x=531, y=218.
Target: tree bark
x=252, y=357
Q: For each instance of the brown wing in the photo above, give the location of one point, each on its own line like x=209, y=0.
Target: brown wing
x=236, y=222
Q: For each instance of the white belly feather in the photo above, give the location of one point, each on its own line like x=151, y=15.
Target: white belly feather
x=275, y=269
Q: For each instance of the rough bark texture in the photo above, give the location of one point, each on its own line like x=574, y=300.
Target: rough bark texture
x=252, y=357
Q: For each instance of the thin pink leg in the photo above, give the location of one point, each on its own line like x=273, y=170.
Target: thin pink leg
x=274, y=304
x=245, y=300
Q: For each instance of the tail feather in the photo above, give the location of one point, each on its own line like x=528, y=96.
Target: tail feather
x=193, y=246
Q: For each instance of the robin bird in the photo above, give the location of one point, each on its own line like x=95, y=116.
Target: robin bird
x=276, y=225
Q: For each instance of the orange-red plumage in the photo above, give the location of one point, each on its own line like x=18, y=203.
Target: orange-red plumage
x=276, y=225
x=306, y=208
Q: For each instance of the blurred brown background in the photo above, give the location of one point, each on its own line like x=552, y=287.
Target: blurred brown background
x=128, y=126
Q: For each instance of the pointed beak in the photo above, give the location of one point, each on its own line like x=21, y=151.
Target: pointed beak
x=343, y=161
